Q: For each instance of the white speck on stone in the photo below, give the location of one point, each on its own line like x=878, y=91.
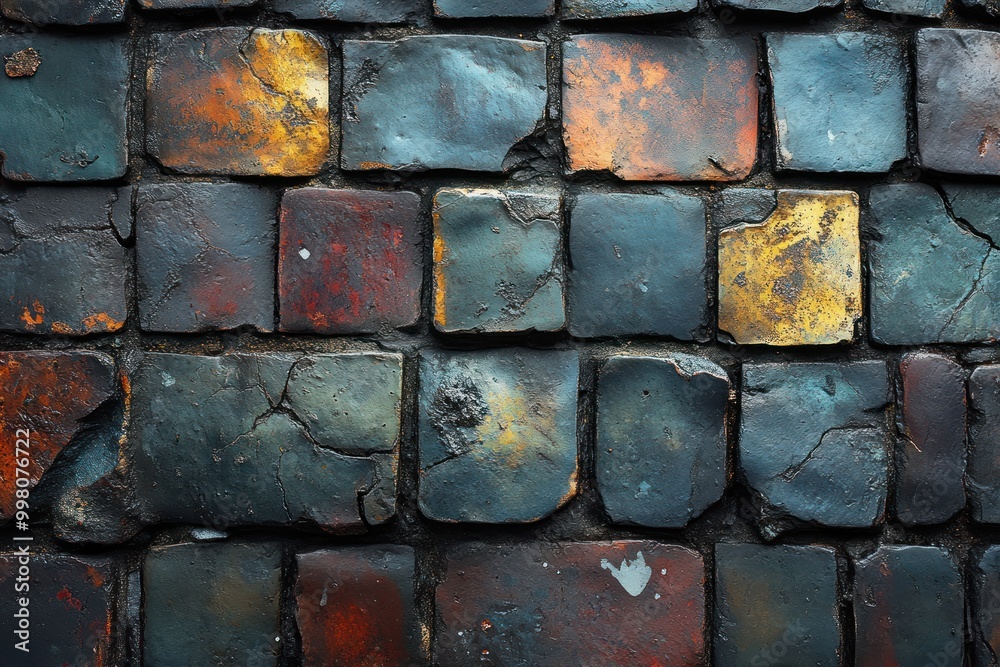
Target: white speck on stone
x=656, y=597
x=461, y=634
x=642, y=288
x=831, y=136
x=277, y=639
x=304, y=254
x=168, y=379
x=632, y=576
x=663, y=571
x=545, y=564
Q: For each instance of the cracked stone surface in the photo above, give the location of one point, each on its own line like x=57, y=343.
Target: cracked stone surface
x=194, y=4
x=238, y=101
x=932, y=9
x=983, y=483
x=70, y=609
x=423, y=102
x=984, y=593
x=498, y=264
x=793, y=278
x=661, y=438
x=909, y=604
x=349, y=261
x=353, y=11
x=205, y=256
x=975, y=205
x=610, y=9
x=212, y=604
x=62, y=262
x=497, y=434
x=930, y=455
x=221, y=441
x=839, y=101
x=958, y=130
x=783, y=6
x=559, y=603
x=79, y=12
x=355, y=606
x=66, y=122
x=796, y=585
x=639, y=266
x=660, y=108
x=492, y=8
x=828, y=467
x=932, y=279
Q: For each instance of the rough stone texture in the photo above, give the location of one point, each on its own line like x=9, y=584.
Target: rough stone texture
x=212, y=604
x=931, y=280
x=610, y=9
x=66, y=122
x=349, y=261
x=457, y=9
x=930, y=455
x=661, y=438
x=639, y=266
x=795, y=278
x=62, y=264
x=440, y=101
x=195, y=4
x=984, y=612
x=353, y=11
x=660, y=108
x=205, y=256
x=957, y=105
x=785, y=6
x=983, y=483
x=781, y=596
x=594, y=603
x=932, y=9
x=355, y=606
x=497, y=434
x=69, y=605
x=498, y=264
x=827, y=467
x=839, y=101
x=77, y=12
x=975, y=205
x=251, y=439
x=909, y=605
x=238, y=101
x=987, y=8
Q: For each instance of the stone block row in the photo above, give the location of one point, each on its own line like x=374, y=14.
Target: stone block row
x=257, y=102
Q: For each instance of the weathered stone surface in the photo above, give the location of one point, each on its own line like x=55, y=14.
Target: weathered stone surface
x=194, y=4
x=62, y=268
x=776, y=605
x=984, y=444
x=795, y=278
x=78, y=12
x=839, y=101
x=353, y=11
x=661, y=438
x=931, y=280
x=932, y=9
x=497, y=434
x=909, y=607
x=440, y=101
x=976, y=205
x=661, y=108
x=267, y=439
x=639, y=266
x=930, y=455
x=988, y=8
x=205, y=256
x=610, y=9
x=588, y=603
x=22, y=63
x=355, y=606
x=65, y=122
x=212, y=604
x=68, y=600
x=828, y=466
x=498, y=264
x=457, y=9
x=349, y=261
x=246, y=102
x=785, y=6
x=744, y=205
x=957, y=105
x=984, y=612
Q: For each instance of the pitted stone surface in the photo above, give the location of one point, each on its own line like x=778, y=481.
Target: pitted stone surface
x=984, y=444
x=457, y=9
x=611, y=9
x=783, y=6
x=984, y=605
x=352, y=11
x=78, y=12
x=195, y=4
x=987, y=8
x=932, y=9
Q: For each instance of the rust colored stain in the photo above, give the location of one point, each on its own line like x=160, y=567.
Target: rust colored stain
x=34, y=316
x=244, y=103
x=661, y=108
x=66, y=596
x=23, y=63
x=101, y=322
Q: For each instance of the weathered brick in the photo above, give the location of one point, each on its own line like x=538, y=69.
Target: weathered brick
x=661, y=438
x=776, y=605
x=205, y=256
x=267, y=439
x=440, y=101
x=957, y=105
x=458, y=9
x=194, y=4
x=932, y=9
x=638, y=266
x=984, y=444
x=984, y=607
x=62, y=269
x=930, y=455
x=783, y=6
x=353, y=11
x=593, y=603
x=65, y=121
x=212, y=604
x=239, y=101
x=610, y=9
x=661, y=108
x=498, y=264
x=79, y=12
x=69, y=603
x=829, y=467
x=355, y=607
x=497, y=434
x=794, y=278
x=909, y=607
x=839, y=101
x=931, y=280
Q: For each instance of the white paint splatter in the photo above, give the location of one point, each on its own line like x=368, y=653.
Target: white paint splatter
x=304, y=254
x=632, y=576
x=168, y=379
